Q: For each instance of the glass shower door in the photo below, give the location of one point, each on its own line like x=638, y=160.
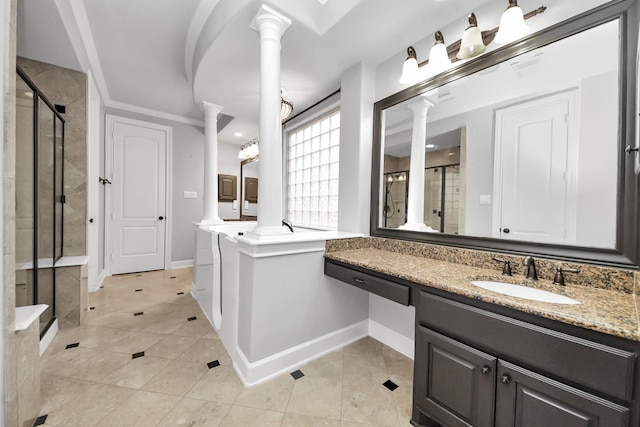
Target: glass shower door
x=45, y=194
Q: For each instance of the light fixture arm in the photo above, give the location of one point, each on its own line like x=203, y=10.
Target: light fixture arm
x=487, y=36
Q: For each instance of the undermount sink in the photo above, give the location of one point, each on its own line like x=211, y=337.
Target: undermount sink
x=525, y=292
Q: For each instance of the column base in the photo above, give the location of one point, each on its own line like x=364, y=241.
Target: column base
x=268, y=233
x=210, y=221
x=417, y=226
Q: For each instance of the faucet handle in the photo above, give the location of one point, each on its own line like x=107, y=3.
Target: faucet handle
x=558, y=279
x=506, y=268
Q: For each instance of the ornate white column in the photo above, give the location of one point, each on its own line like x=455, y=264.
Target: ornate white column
x=415, y=203
x=210, y=192
x=271, y=25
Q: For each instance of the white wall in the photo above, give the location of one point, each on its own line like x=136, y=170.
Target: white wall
x=356, y=129
x=596, y=220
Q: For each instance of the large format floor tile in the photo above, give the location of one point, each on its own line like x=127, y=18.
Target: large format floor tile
x=142, y=359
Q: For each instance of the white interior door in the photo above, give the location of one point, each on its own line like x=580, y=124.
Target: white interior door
x=536, y=164
x=138, y=223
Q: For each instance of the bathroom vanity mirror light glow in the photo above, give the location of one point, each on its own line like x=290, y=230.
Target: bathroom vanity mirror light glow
x=623, y=250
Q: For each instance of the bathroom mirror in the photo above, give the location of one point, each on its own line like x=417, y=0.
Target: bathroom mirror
x=249, y=169
x=524, y=148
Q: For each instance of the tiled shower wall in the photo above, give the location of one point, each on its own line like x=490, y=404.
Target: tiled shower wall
x=9, y=223
x=68, y=88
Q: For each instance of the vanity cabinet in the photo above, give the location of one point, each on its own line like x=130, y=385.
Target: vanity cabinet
x=476, y=368
x=479, y=364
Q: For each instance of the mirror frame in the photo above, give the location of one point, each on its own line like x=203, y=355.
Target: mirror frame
x=626, y=254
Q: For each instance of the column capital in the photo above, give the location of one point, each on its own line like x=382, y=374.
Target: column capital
x=268, y=18
x=210, y=108
x=420, y=105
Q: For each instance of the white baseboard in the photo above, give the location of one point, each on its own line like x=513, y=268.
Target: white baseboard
x=48, y=337
x=101, y=277
x=253, y=373
x=391, y=338
x=181, y=264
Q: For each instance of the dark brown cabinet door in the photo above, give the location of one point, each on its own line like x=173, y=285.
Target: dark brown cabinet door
x=526, y=399
x=453, y=383
x=227, y=185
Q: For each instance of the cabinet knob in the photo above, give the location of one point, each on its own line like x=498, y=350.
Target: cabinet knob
x=160, y=218
x=485, y=369
x=506, y=379
x=506, y=230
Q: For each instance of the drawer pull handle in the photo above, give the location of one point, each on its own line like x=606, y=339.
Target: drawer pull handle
x=485, y=369
x=361, y=281
x=506, y=379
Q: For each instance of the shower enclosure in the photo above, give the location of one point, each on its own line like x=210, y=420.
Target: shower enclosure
x=39, y=197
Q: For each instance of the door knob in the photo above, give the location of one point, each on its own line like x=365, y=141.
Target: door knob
x=160, y=218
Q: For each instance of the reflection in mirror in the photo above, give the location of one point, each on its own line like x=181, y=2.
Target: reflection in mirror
x=524, y=150
x=249, y=170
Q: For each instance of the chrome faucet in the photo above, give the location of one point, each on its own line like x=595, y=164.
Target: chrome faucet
x=531, y=267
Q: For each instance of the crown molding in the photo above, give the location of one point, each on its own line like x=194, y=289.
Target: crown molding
x=154, y=113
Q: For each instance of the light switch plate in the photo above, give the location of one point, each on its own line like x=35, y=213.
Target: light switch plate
x=190, y=195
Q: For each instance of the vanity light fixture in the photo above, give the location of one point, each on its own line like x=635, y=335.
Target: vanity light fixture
x=512, y=25
x=410, y=72
x=473, y=43
x=438, y=56
x=286, y=108
x=249, y=150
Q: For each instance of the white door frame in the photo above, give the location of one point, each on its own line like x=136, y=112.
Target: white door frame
x=93, y=187
x=571, y=95
x=111, y=120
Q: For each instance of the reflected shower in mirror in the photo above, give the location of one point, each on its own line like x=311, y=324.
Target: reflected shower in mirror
x=249, y=170
x=524, y=150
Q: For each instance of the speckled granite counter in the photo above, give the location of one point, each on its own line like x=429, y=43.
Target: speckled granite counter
x=608, y=303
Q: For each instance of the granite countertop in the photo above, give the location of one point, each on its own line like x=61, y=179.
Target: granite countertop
x=609, y=311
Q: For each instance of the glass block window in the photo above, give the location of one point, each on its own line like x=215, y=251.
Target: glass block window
x=312, y=172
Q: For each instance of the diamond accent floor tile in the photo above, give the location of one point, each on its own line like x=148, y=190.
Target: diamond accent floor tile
x=158, y=369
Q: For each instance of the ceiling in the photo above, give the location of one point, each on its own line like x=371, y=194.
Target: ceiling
x=163, y=57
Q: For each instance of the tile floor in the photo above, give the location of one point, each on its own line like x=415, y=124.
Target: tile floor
x=99, y=383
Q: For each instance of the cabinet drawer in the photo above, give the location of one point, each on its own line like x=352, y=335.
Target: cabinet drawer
x=596, y=366
x=385, y=288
